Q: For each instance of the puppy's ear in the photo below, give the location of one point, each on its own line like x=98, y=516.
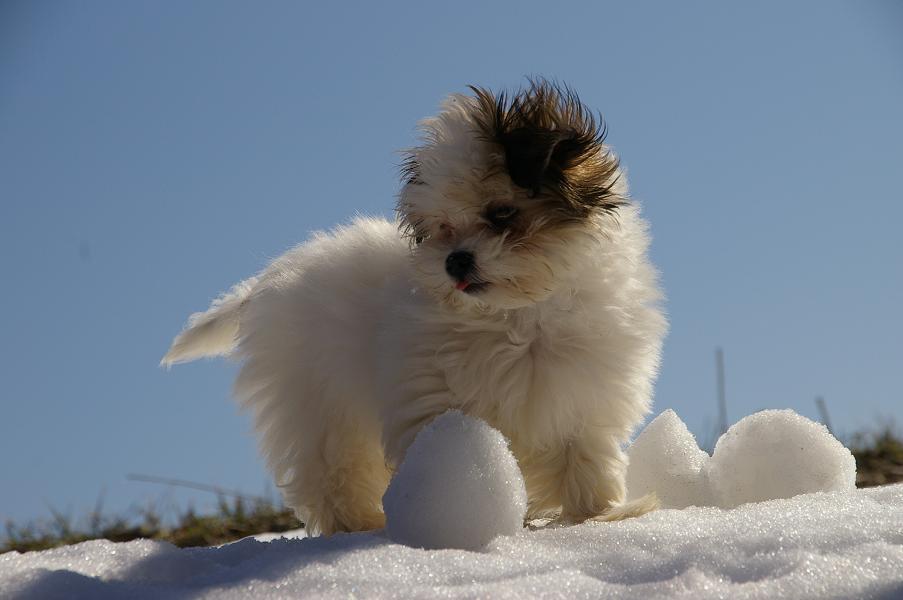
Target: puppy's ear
x=533, y=154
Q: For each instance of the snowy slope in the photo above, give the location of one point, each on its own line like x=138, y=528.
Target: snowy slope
x=773, y=513
x=825, y=545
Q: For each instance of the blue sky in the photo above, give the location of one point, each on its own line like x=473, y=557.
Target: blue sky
x=152, y=154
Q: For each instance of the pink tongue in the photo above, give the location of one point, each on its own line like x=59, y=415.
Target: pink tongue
x=462, y=285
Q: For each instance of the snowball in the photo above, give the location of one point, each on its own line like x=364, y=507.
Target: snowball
x=778, y=454
x=665, y=459
x=458, y=487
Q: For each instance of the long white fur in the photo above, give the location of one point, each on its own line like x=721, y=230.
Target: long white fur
x=352, y=341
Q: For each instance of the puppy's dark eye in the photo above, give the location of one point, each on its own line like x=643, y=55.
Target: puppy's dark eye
x=418, y=239
x=500, y=216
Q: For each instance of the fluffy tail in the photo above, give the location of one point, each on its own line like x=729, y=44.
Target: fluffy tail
x=214, y=332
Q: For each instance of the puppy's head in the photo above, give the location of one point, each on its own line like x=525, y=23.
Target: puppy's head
x=508, y=196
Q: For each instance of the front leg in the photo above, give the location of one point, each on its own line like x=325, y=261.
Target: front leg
x=577, y=480
x=593, y=477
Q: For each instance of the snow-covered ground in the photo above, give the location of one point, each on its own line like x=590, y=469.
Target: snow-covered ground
x=825, y=545
x=833, y=542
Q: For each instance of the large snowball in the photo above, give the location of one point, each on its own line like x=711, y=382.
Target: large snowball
x=458, y=487
x=665, y=459
x=778, y=454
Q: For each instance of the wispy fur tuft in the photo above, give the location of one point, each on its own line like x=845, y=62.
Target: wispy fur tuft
x=630, y=510
x=213, y=332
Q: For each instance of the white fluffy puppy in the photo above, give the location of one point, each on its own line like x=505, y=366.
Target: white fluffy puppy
x=514, y=287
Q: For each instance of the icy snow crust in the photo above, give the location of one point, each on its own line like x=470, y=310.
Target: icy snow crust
x=825, y=545
x=767, y=455
x=778, y=454
x=458, y=487
x=666, y=460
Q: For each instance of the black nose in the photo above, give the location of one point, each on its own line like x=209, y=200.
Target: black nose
x=458, y=264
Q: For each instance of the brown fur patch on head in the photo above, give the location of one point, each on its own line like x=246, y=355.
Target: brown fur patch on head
x=553, y=144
